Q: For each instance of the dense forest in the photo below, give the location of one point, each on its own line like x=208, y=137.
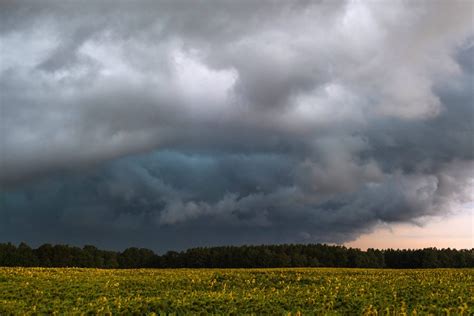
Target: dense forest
x=264, y=256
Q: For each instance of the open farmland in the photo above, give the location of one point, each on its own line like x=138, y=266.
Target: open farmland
x=271, y=291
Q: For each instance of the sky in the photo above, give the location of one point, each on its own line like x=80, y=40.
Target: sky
x=176, y=124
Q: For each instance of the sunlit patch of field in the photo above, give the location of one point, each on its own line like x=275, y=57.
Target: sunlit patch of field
x=239, y=291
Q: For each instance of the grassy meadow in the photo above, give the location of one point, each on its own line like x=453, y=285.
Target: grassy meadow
x=295, y=291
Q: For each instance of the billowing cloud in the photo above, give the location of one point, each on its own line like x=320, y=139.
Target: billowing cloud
x=173, y=124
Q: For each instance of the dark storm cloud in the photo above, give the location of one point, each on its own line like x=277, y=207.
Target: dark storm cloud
x=172, y=124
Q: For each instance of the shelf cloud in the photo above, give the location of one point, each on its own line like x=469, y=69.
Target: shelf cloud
x=190, y=123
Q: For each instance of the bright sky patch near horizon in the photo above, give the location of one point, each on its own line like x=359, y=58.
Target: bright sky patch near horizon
x=455, y=231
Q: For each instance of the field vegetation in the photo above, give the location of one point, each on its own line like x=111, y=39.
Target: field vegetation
x=293, y=291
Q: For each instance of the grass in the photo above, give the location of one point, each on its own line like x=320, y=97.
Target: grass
x=238, y=291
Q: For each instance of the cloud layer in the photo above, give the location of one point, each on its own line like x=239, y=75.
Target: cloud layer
x=175, y=124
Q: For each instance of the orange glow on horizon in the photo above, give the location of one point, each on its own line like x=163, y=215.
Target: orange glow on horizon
x=451, y=232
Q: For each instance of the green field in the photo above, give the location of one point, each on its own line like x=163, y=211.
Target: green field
x=237, y=291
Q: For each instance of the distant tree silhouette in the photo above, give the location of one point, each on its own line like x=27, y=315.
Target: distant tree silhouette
x=264, y=256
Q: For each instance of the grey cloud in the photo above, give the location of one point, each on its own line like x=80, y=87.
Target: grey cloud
x=156, y=197
x=233, y=121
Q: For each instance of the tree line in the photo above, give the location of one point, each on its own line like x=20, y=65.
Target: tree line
x=263, y=256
